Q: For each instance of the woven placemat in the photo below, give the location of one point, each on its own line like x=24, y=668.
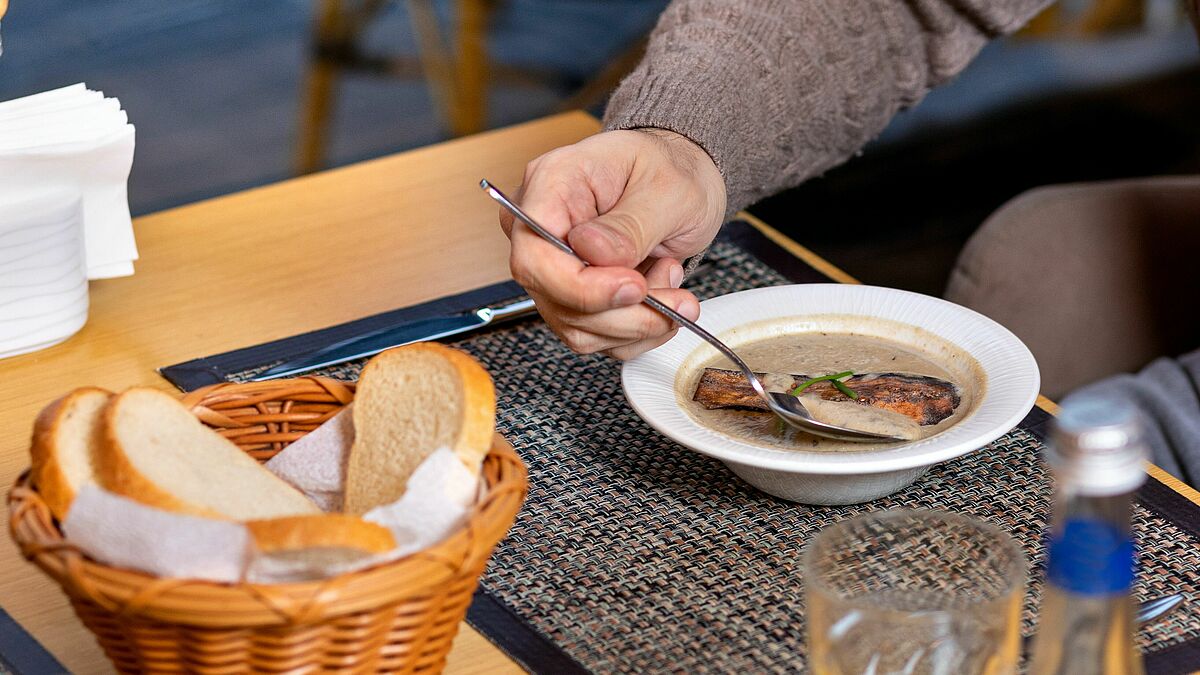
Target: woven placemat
x=635, y=554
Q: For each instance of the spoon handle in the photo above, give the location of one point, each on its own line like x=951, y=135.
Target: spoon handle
x=512, y=208
x=654, y=303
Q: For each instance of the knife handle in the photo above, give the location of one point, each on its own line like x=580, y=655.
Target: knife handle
x=513, y=310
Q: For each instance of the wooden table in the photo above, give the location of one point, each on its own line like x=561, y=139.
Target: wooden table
x=261, y=265
x=269, y=263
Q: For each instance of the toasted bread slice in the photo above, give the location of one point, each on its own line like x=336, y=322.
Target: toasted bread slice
x=65, y=436
x=322, y=531
x=155, y=451
x=411, y=401
x=296, y=548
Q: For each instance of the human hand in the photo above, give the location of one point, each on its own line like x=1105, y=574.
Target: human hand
x=633, y=204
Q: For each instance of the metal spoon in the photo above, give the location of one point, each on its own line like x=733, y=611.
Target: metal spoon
x=1153, y=609
x=786, y=406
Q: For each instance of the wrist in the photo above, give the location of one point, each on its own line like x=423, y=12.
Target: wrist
x=683, y=149
x=691, y=158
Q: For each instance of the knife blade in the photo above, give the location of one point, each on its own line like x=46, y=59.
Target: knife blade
x=419, y=330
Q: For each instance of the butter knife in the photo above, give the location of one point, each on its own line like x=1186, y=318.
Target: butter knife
x=418, y=330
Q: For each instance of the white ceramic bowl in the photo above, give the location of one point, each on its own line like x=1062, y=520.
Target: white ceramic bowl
x=1011, y=374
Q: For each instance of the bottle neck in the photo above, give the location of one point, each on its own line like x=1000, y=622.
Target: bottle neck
x=1072, y=504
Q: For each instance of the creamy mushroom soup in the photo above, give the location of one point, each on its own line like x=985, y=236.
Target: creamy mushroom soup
x=859, y=345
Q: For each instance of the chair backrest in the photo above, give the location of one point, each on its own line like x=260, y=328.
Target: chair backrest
x=1095, y=278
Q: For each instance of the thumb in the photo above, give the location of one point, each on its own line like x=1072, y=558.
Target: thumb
x=618, y=238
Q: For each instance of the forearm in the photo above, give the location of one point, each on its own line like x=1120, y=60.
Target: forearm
x=777, y=91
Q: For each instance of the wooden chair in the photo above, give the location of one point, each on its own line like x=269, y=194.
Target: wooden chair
x=456, y=68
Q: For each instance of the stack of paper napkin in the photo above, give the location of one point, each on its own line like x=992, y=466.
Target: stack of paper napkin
x=75, y=139
x=65, y=157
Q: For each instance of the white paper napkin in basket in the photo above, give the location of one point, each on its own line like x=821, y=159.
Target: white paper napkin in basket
x=316, y=464
x=125, y=533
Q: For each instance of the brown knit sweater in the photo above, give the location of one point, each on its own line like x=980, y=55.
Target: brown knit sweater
x=778, y=91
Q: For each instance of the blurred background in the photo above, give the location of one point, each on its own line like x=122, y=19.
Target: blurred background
x=229, y=94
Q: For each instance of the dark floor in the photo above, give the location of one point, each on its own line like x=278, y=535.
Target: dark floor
x=213, y=88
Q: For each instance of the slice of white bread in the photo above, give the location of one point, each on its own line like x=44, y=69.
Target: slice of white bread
x=297, y=548
x=322, y=531
x=65, y=436
x=410, y=401
x=155, y=451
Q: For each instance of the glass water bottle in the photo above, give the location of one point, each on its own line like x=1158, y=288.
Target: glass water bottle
x=1086, y=622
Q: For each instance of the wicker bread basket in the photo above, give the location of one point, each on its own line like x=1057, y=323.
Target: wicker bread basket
x=397, y=617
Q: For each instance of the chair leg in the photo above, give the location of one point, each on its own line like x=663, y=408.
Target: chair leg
x=318, y=89
x=458, y=85
x=470, y=114
x=436, y=62
x=314, y=121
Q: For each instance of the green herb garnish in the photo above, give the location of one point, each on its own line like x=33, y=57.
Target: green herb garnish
x=846, y=390
x=835, y=377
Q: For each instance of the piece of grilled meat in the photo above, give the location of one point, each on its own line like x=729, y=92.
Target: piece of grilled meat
x=927, y=400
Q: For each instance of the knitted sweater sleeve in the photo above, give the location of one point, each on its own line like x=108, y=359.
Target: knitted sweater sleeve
x=777, y=91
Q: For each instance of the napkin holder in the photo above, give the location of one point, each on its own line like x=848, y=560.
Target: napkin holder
x=43, y=271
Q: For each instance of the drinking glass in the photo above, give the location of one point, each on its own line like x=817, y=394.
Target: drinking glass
x=913, y=592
